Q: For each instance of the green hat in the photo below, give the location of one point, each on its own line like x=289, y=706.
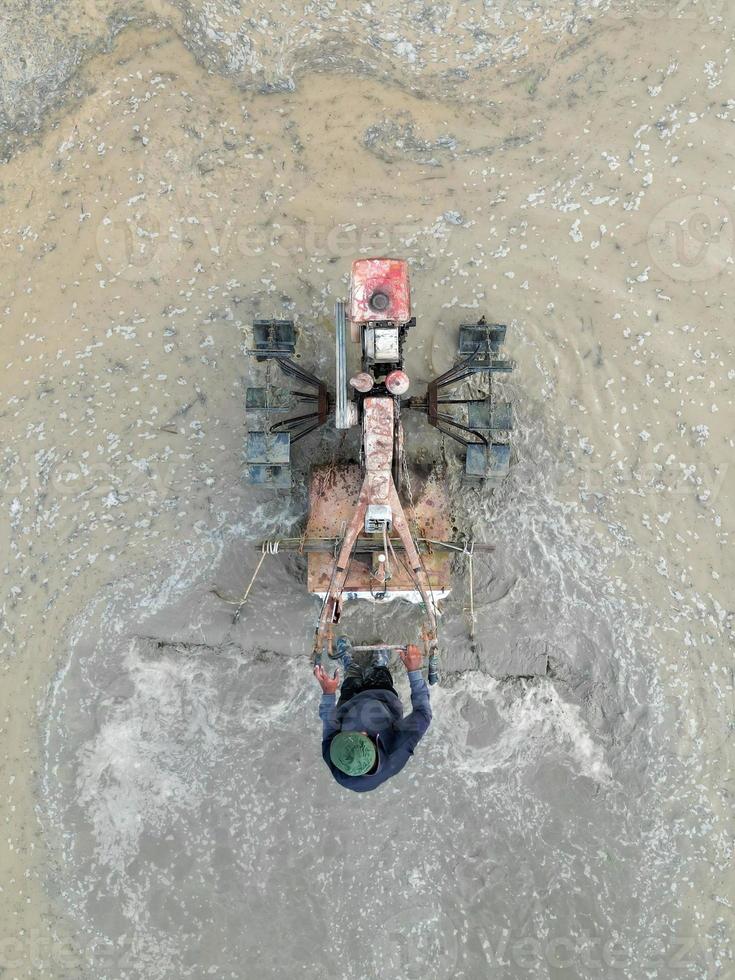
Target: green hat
x=353, y=753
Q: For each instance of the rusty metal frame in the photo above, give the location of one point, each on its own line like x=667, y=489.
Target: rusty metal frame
x=378, y=486
x=340, y=529
x=332, y=606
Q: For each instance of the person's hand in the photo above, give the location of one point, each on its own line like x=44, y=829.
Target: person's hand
x=328, y=684
x=412, y=657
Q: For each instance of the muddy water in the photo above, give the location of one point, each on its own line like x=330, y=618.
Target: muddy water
x=174, y=171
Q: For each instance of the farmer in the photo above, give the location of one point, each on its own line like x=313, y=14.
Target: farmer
x=365, y=738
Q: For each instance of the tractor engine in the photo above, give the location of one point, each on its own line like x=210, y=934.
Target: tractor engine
x=380, y=312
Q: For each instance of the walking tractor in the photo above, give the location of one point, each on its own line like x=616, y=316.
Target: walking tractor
x=372, y=533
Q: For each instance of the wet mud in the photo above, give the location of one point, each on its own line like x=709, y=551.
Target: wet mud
x=171, y=172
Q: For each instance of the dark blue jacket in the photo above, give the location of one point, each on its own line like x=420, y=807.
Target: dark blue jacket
x=380, y=714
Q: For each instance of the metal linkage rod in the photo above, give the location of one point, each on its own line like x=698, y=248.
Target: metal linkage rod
x=368, y=546
x=341, y=416
x=470, y=570
x=442, y=421
x=331, y=608
x=298, y=425
x=373, y=649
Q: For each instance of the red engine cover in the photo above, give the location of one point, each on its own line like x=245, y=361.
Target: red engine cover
x=379, y=291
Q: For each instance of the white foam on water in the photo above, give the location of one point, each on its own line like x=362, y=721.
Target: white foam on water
x=535, y=720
